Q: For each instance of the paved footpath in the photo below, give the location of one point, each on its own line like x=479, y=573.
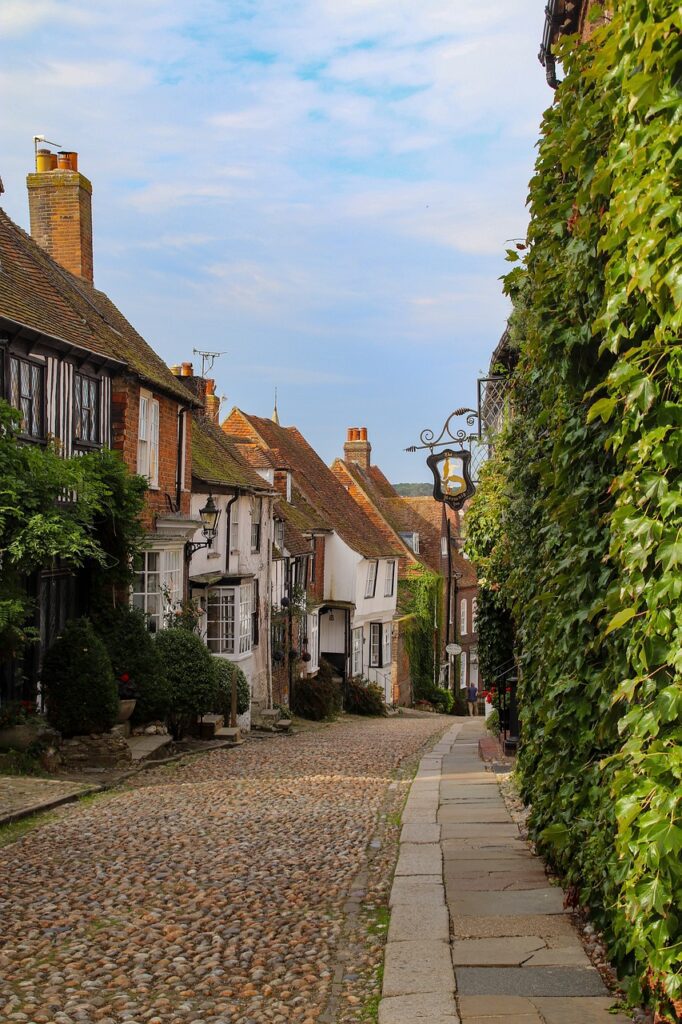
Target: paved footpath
x=477, y=933
x=210, y=891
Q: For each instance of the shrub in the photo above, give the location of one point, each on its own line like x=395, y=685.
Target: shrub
x=442, y=700
x=317, y=698
x=225, y=671
x=188, y=667
x=364, y=698
x=492, y=722
x=78, y=682
x=133, y=654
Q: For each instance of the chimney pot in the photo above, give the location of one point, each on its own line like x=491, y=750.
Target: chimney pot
x=67, y=160
x=210, y=386
x=43, y=161
x=186, y=370
x=363, y=433
x=175, y=370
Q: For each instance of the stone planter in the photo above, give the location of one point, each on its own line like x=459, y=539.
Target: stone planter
x=125, y=710
x=19, y=737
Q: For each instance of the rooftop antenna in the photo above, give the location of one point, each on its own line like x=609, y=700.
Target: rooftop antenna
x=45, y=142
x=207, y=359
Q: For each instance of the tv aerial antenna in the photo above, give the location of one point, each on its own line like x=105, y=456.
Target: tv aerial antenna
x=207, y=359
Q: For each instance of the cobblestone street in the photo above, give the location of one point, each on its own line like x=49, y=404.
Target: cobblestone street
x=208, y=890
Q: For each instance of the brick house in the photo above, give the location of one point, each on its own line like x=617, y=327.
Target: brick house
x=351, y=583
x=564, y=17
x=428, y=532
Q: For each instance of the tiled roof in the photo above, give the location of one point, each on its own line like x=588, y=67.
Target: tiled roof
x=294, y=541
x=215, y=460
x=316, y=482
x=39, y=293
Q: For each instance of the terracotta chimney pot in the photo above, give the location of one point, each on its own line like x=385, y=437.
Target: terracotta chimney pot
x=363, y=434
x=186, y=370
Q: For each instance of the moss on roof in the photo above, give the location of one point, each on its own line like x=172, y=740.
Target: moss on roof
x=215, y=459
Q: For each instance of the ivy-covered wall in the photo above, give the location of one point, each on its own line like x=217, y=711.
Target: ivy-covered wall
x=578, y=528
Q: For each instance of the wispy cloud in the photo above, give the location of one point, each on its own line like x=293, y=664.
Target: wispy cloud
x=326, y=184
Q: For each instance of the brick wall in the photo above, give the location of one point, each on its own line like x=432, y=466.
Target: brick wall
x=60, y=207
x=401, y=683
x=125, y=402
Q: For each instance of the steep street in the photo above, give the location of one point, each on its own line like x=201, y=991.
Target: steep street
x=210, y=890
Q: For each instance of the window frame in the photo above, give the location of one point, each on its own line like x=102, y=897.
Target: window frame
x=389, y=578
x=357, y=647
x=314, y=641
x=34, y=365
x=463, y=617
x=147, y=425
x=223, y=642
x=170, y=567
x=371, y=581
x=386, y=644
x=233, y=538
x=79, y=378
x=375, y=644
x=255, y=612
x=256, y=524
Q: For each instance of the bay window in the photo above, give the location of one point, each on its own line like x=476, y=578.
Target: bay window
x=229, y=623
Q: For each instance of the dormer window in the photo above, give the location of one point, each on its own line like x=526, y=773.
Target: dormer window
x=412, y=540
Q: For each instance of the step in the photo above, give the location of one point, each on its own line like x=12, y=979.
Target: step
x=284, y=725
x=270, y=714
x=143, y=748
x=209, y=726
x=226, y=733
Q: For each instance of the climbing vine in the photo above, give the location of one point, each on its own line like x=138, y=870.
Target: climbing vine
x=582, y=537
x=420, y=598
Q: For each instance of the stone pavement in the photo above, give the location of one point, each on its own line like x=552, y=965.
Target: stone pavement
x=21, y=795
x=477, y=933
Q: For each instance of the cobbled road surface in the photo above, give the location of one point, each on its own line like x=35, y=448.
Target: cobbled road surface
x=204, y=892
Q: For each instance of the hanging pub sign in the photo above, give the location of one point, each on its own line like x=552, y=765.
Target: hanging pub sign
x=452, y=481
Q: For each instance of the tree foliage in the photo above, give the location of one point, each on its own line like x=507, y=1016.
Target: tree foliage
x=590, y=520
x=78, y=682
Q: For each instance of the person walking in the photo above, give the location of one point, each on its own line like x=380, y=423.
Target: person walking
x=472, y=699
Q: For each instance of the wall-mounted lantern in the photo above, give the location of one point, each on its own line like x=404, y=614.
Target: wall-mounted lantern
x=209, y=515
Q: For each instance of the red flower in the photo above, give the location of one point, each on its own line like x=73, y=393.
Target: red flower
x=124, y=678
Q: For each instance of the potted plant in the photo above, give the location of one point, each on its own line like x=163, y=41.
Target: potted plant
x=127, y=698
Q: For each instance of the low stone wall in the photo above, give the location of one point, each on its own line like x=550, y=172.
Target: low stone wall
x=105, y=751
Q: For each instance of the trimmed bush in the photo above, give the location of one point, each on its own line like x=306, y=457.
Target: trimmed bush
x=133, y=654
x=188, y=667
x=442, y=700
x=77, y=679
x=224, y=672
x=317, y=698
x=364, y=698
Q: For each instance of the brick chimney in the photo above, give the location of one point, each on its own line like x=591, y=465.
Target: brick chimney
x=357, y=448
x=60, y=206
x=203, y=388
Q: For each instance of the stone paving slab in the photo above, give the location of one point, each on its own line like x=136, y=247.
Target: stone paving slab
x=420, y=833
x=552, y=927
x=412, y=967
x=527, y=951
x=509, y=904
x=430, y=1007
x=419, y=859
x=474, y=830
x=530, y=981
x=498, y=881
x=480, y=792
x=478, y=813
x=425, y=890
x=431, y=922
x=519, y=867
x=22, y=795
x=586, y=1011
x=484, y=848
x=577, y=1010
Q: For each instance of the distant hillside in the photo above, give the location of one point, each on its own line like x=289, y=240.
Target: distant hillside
x=414, y=490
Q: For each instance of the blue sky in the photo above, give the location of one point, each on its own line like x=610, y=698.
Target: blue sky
x=320, y=188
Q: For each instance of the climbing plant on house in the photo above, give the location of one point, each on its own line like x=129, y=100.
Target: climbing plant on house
x=591, y=517
x=420, y=598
